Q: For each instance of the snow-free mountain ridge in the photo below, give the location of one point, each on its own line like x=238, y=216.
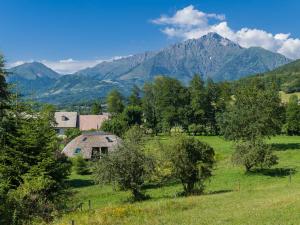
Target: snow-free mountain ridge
x=212, y=56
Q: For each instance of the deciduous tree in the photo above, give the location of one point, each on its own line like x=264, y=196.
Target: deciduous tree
x=192, y=162
x=128, y=166
x=292, y=126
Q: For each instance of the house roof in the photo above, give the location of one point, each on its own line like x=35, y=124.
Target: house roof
x=92, y=122
x=87, y=141
x=66, y=119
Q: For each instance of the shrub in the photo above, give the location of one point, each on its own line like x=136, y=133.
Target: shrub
x=196, y=129
x=127, y=167
x=252, y=154
x=192, y=162
x=72, y=133
x=116, y=125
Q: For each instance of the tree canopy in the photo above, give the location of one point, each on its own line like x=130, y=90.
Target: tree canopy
x=127, y=167
x=115, y=104
x=292, y=125
x=255, y=112
x=192, y=162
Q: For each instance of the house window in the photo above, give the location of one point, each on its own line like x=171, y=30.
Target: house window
x=95, y=153
x=109, y=139
x=104, y=150
x=64, y=118
x=77, y=150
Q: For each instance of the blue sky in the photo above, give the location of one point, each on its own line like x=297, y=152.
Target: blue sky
x=70, y=34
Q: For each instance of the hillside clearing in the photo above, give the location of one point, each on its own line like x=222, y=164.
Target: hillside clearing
x=285, y=97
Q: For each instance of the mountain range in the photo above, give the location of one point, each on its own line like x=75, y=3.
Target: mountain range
x=212, y=56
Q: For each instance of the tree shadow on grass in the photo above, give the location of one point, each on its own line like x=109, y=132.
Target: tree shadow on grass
x=159, y=185
x=274, y=172
x=285, y=147
x=219, y=192
x=78, y=183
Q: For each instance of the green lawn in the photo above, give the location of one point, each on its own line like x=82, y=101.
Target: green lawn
x=285, y=97
x=231, y=196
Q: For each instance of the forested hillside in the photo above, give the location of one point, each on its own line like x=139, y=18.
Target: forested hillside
x=287, y=77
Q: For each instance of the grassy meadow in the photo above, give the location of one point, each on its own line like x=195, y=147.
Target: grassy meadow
x=285, y=97
x=269, y=196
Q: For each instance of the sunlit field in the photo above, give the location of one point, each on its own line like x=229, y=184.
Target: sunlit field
x=270, y=196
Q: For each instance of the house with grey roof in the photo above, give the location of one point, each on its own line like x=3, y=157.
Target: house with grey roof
x=65, y=120
x=91, y=145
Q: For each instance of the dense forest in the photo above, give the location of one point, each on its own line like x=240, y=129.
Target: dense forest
x=166, y=105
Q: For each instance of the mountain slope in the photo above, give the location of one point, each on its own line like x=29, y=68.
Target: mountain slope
x=251, y=61
x=114, y=69
x=205, y=56
x=32, y=78
x=211, y=56
x=33, y=71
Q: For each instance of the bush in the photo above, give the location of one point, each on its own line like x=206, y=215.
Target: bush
x=252, y=154
x=116, y=125
x=72, y=133
x=196, y=129
x=192, y=162
x=128, y=166
x=81, y=166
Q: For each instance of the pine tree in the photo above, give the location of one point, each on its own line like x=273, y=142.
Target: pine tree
x=81, y=166
x=4, y=128
x=115, y=104
x=135, y=98
x=3, y=88
x=32, y=168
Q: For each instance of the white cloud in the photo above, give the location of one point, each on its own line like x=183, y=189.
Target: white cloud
x=189, y=22
x=17, y=63
x=290, y=47
x=188, y=16
x=66, y=66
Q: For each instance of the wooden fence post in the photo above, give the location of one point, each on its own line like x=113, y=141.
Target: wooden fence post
x=73, y=222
